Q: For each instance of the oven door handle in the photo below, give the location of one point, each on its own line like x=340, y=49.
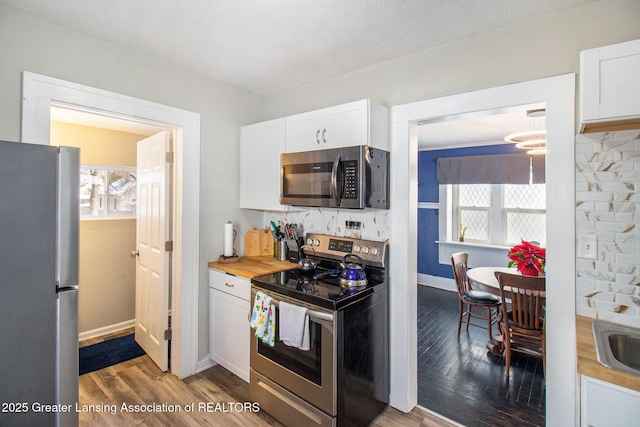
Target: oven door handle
x=311, y=313
x=334, y=181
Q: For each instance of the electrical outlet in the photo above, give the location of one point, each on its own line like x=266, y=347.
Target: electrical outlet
x=588, y=247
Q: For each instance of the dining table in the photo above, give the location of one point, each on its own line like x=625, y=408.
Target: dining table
x=484, y=279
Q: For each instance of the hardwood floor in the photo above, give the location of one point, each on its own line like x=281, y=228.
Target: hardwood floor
x=459, y=379
x=140, y=382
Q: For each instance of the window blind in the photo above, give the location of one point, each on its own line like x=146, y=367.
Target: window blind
x=492, y=169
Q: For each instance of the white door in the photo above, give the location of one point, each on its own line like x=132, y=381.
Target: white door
x=152, y=272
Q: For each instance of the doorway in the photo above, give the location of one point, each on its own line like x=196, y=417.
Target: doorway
x=558, y=95
x=39, y=92
x=113, y=295
x=458, y=377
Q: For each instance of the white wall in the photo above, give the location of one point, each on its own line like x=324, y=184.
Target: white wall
x=29, y=44
x=543, y=47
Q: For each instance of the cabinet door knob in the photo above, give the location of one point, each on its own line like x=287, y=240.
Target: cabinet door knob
x=324, y=135
x=318, y=136
x=228, y=285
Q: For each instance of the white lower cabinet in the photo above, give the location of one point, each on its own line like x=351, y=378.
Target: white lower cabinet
x=607, y=405
x=229, y=306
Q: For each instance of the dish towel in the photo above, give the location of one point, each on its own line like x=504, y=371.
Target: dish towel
x=294, y=326
x=263, y=319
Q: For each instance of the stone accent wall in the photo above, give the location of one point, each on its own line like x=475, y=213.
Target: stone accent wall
x=608, y=206
x=375, y=224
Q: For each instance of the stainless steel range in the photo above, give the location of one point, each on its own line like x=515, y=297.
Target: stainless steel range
x=343, y=379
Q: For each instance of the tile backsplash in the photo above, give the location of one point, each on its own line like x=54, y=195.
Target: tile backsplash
x=375, y=224
x=608, y=207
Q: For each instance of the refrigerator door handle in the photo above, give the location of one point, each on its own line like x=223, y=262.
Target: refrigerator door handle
x=68, y=213
x=67, y=357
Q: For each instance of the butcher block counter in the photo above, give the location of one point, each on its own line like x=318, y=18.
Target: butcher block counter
x=588, y=361
x=248, y=267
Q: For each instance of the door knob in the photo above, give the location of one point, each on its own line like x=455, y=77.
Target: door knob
x=135, y=253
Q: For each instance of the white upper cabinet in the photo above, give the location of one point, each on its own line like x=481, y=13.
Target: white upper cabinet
x=355, y=123
x=260, y=148
x=610, y=87
x=304, y=132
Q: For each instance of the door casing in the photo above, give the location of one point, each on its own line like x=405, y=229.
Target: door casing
x=558, y=95
x=39, y=92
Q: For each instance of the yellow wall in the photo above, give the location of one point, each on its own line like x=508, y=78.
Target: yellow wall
x=107, y=281
x=97, y=146
x=107, y=273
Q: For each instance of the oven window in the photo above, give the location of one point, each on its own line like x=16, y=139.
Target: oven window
x=308, y=180
x=307, y=364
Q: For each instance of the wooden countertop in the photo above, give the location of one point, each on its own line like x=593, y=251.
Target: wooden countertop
x=588, y=361
x=249, y=267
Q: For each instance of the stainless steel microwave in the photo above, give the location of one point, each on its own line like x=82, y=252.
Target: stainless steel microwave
x=349, y=178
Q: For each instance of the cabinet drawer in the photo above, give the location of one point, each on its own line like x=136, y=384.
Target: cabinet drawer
x=230, y=284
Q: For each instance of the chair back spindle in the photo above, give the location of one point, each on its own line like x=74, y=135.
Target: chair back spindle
x=523, y=323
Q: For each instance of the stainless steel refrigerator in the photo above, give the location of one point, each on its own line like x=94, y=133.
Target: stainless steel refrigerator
x=39, y=213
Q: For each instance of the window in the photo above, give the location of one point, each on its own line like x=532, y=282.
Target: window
x=474, y=211
x=524, y=212
x=107, y=192
x=499, y=214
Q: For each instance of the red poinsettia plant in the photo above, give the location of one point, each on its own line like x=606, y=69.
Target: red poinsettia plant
x=528, y=258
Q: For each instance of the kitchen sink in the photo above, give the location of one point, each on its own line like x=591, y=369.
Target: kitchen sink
x=617, y=346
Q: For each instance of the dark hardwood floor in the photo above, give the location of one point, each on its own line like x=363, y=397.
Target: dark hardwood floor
x=461, y=380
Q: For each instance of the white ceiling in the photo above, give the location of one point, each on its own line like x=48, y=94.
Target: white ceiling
x=482, y=128
x=268, y=46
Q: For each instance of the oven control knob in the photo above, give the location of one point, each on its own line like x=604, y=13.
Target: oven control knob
x=357, y=248
x=375, y=251
x=309, y=241
x=316, y=242
x=365, y=250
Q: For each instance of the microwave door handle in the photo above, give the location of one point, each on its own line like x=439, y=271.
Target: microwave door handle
x=334, y=181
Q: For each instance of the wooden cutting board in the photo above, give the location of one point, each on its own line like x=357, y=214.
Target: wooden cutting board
x=258, y=243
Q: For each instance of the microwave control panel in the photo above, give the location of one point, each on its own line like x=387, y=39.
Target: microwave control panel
x=350, y=179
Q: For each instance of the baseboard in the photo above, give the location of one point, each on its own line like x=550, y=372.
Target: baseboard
x=437, y=282
x=106, y=330
x=205, y=363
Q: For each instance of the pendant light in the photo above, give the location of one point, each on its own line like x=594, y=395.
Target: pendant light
x=534, y=140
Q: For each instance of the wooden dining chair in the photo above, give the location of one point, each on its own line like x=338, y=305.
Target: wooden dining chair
x=522, y=324
x=487, y=305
